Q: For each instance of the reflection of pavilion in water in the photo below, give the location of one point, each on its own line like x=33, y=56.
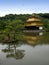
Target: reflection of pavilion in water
x=13, y=52
x=35, y=38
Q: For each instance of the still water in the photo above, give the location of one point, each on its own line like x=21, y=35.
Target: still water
x=31, y=49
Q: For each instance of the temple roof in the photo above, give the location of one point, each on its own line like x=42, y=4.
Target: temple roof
x=33, y=19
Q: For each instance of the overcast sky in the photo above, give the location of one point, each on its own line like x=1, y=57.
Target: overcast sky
x=23, y=6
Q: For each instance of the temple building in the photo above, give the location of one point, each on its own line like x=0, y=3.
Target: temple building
x=34, y=23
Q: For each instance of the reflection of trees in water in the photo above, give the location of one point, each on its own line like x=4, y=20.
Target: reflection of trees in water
x=12, y=51
x=18, y=54
x=32, y=39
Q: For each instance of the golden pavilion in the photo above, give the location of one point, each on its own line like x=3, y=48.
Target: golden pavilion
x=34, y=23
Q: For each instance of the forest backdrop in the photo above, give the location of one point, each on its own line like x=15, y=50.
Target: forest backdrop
x=13, y=23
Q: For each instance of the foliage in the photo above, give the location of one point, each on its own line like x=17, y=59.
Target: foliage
x=13, y=23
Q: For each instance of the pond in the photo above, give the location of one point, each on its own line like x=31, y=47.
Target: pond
x=30, y=49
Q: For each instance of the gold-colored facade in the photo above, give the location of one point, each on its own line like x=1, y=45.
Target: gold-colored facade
x=33, y=22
